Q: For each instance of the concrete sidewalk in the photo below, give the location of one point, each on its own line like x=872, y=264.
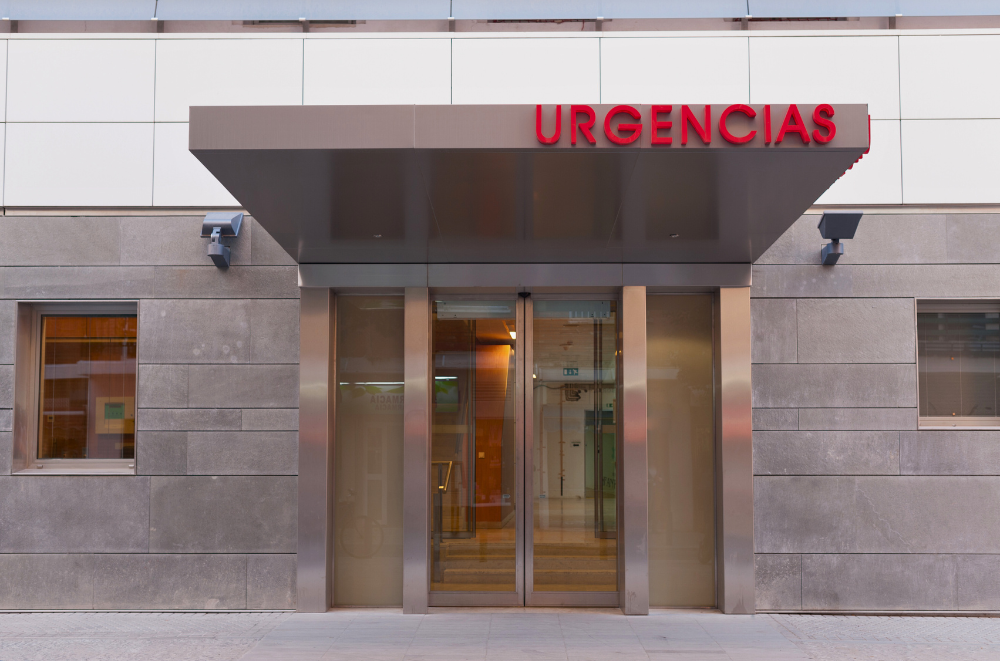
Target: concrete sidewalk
x=516, y=634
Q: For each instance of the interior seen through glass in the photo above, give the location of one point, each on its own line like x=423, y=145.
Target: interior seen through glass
x=957, y=353
x=574, y=451
x=87, y=395
x=473, y=448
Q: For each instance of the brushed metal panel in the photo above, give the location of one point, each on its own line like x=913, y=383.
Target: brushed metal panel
x=416, y=448
x=734, y=453
x=317, y=328
x=634, y=598
x=687, y=275
x=349, y=276
x=405, y=184
x=524, y=275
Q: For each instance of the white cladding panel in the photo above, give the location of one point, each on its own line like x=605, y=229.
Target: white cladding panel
x=226, y=72
x=827, y=70
x=949, y=76
x=377, y=71
x=80, y=80
x=79, y=165
x=876, y=178
x=179, y=179
x=675, y=70
x=951, y=161
x=3, y=81
x=543, y=70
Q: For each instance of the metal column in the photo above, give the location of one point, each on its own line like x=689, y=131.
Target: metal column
x=634, y=597
x=734, y=452
x=416, y=448
x=317, y=369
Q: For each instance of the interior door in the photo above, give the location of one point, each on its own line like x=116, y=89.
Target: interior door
x=571, y=452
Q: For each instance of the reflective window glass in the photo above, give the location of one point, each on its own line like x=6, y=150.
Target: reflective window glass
x=87, y=394
x=368, y=447
x=957, y=355
x=681, y=450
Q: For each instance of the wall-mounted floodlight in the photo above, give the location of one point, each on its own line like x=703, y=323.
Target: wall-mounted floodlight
x=215, y=226
x=837, y=225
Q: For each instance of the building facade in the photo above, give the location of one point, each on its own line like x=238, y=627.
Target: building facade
x=468, y=375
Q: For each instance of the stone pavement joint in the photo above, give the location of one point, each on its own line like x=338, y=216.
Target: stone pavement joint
x=491, y=634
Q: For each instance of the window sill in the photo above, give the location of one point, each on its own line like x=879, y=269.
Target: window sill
x=969, y=424
x=77, y=470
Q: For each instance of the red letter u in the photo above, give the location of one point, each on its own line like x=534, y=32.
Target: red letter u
x=538, y=126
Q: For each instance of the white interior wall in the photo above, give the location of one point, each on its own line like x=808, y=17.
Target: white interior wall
x=102, y=121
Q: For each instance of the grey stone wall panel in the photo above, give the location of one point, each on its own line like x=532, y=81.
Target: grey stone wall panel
x=778, y=582
x=271, y=419
x=274, y=331
x=6, y=452
x=8, y=321
x=858, y=419
x=189, y=419
x=6, y=386
x=825, y=453
x=243, y=453
x=162, y=386
x=863, y=330
x=266, y=251
x=144, y=581
x=877, y=281
x=270, y=582
x=43, y=581
x=223, y=514
x=905, y=514
x=812, y=281
x=72, y=282
x=161, y=453
x=773, y=328
x=807, y=386
x=927, y=280
x=194, y=331
x=243, y=386
x=881, y=239
x=74, y=514
x=972, y=238
x=774, y=419
x=951, y=452
x=59, y=241
x=6, y=419
x=234, y=282
x=879, y=582
x=176, y=241
x=978, y=582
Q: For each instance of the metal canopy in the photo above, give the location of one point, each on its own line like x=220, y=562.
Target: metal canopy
x=473, y=184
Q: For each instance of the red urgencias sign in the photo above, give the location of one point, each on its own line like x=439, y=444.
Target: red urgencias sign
x=737, y=124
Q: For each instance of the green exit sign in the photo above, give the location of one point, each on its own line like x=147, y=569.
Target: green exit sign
x=571, y=371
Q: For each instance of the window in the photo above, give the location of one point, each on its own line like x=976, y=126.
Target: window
x=76, y=375
x=958, y=361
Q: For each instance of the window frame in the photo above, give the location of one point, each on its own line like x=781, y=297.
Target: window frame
x=27, y=377
x=922, y=306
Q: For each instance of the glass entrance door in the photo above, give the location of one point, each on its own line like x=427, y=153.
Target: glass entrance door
x=524, y=447
x=572, y=452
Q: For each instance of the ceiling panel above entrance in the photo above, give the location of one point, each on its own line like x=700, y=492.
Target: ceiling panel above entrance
x=519, y=184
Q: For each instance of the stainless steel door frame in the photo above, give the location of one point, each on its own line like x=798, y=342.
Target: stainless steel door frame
x=445, y=598
x=416, y=448
x=734, y=453
x=317, y=373
x=532, y=597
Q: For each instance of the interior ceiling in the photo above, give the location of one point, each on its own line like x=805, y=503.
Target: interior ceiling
x=343, y=198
